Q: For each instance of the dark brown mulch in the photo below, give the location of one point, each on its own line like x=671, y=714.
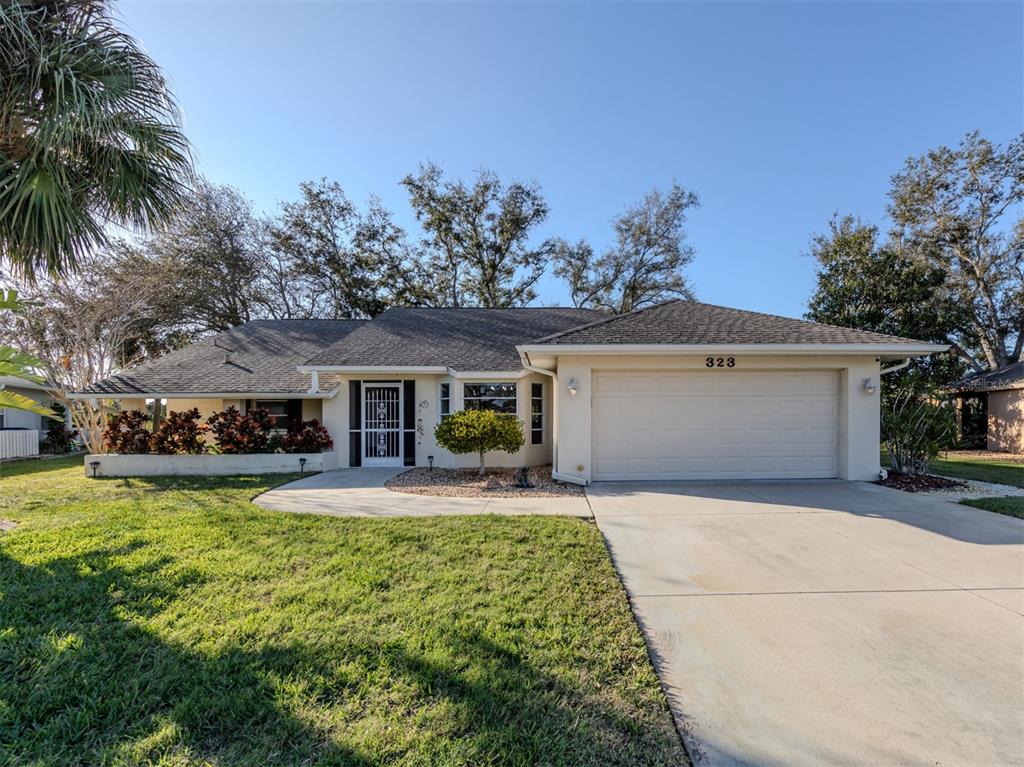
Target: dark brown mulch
x=919, y=483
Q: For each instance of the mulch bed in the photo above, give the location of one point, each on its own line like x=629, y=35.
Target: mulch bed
x=919, y=483
x=534, y=482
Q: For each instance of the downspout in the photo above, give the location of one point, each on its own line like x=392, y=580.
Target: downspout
x=525, y=361
x=894, y=368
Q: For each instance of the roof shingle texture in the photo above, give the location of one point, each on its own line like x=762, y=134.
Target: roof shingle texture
x=264, y=358
x=465, y=339
x=690, y=322
x=1009, y=377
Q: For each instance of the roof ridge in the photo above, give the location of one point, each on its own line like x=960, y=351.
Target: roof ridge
x=606, y=320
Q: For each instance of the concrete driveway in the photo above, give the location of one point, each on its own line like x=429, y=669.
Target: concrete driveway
x=826, y=622
x=361, y=493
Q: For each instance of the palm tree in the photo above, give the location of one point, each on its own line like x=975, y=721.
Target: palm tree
x=89, y=134
x=19, y=365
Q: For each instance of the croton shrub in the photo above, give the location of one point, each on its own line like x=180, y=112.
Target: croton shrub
x=307, y=437
x=180, y=432
x=126, y=433
x=237, y=433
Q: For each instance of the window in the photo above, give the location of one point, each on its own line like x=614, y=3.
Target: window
x=3, y=416
x=445, y=401
x=278, y=409
x=537, y=414
x=500, y=397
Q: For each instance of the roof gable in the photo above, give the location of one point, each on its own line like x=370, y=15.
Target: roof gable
x=691, y=323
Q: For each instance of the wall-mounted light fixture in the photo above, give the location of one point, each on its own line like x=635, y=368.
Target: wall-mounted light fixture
x=574, y=386
x=870, y=386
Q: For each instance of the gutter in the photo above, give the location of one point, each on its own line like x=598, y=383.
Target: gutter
x=892, y=350
x=96, y=395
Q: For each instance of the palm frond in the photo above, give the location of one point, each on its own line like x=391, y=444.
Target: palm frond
x=9, y=399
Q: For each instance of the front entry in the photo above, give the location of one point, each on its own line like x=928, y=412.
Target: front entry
x=382, y=424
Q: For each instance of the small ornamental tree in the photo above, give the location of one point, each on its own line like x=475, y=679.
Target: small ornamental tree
x=236, y=432
x=915, y=426
x=126, y=433
x=477, y=431
x=307, y=437
x=179, y=432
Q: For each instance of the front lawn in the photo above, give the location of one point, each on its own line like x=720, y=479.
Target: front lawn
x=1012, y=506
x=980, y=467
x=171, y=622
x=977, y=465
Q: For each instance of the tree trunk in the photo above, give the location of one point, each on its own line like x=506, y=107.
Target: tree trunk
x=481, y=463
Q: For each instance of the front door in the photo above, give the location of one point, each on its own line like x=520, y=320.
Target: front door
x=382, y=424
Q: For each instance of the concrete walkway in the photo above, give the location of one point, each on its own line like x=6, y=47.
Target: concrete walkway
x=809, y=623
x=361, y=493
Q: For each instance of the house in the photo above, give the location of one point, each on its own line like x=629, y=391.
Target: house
x=681, y=390
x=990, y=409
x=20, y=430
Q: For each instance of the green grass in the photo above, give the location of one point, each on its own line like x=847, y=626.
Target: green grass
x=1011, y=506
x=170, y=622
x=994, y=469
x=973, y=466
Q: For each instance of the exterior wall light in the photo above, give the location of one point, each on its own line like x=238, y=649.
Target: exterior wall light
x=574, y=386
x=869, y=386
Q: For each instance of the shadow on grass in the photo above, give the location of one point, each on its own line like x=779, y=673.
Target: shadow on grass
x=83, y=682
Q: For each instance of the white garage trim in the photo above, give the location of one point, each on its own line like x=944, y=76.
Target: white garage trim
x=766, y=424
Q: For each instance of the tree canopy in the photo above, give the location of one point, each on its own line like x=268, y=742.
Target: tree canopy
x=644, y=265
x=89, y=135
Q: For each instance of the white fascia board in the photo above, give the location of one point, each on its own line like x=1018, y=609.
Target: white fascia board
x=893, y=350
x=373, y=369
x=489, y=375
x=204, y=395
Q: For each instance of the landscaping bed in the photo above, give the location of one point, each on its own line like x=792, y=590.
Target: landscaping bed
x=919, y=483
x=170, y=621
x=496, y=483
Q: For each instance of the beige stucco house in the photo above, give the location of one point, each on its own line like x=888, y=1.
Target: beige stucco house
x=990, y=408
x=682, y=390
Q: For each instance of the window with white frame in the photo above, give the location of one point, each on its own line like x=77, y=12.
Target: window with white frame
x=500, y=397
x=537, y=414
x=444, y=406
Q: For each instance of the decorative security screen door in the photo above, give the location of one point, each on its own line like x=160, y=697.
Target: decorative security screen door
x=382, y=424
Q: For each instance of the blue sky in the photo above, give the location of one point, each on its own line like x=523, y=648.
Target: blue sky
x=776, y=114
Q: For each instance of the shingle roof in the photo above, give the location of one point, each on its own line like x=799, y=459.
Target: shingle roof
x=1009, y=377
x=264, y=357
x=466, y=339
x=682, y=322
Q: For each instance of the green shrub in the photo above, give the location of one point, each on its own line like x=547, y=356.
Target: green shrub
x=916, y=425
x=59, y=439
x=236, y=433
x=477, y=431
x=179, y=432
x=126, y=433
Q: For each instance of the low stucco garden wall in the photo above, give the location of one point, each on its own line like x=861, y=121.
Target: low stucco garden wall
x=113, y=465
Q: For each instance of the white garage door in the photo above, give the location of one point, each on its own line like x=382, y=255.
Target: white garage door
x=715, y=425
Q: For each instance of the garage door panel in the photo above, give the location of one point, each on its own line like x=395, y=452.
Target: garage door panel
x=715, y=425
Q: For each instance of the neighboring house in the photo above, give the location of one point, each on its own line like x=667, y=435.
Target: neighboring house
x=22, y=419
x=21, y=431
x=682, y=390
x=990, y=409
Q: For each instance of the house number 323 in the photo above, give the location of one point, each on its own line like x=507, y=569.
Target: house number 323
x=719, y=362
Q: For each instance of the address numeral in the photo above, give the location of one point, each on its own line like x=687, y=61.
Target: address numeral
x=720, y=362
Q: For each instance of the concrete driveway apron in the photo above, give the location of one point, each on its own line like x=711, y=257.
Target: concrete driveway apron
x=826, y=622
